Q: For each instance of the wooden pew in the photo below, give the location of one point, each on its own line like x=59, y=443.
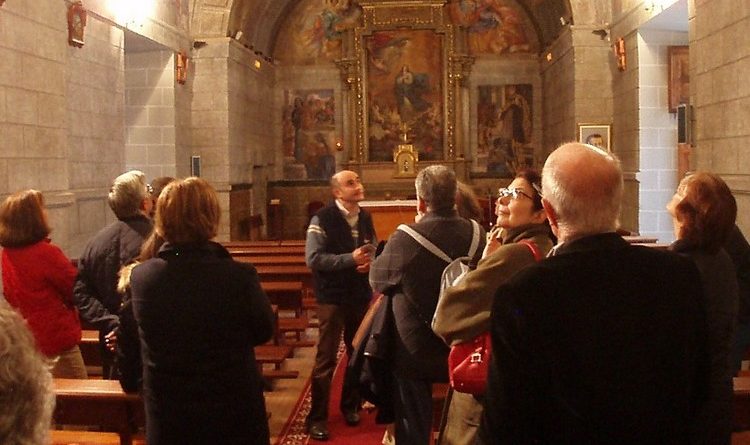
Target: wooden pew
x=60, y=437
x=267, y=260
x=285, y=272
x=637, y=239
x=266, y=251
x=98, y=402
x=741, y=403
x=264, y=243
x=91, y=352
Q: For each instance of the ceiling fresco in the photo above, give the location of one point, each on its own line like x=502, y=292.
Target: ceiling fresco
x=262, y=22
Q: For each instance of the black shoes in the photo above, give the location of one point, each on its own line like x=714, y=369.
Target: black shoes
x=318, y=431
x=351, y=418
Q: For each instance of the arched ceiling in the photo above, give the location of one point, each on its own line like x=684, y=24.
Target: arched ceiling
x=260, y=20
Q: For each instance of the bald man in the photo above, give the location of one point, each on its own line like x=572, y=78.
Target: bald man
x=340, y=242
x=603, y=342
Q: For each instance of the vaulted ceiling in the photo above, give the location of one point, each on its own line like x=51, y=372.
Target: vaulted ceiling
x=261, y=20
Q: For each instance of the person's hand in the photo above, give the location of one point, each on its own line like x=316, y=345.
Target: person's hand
x=364, y=268
x=362, y=254
x=110, y=340
x=493, y=242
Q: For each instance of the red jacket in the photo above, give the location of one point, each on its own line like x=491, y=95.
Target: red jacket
x=38, y=281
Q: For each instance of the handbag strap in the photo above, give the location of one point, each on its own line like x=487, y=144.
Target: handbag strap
x=435, y=250
x=533, y=247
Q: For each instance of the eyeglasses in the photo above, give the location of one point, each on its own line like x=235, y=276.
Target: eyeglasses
x=512, y=192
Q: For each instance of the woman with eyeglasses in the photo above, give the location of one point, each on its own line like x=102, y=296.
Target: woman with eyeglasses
x=38, y=282
x=703, y=213
x=464, y=310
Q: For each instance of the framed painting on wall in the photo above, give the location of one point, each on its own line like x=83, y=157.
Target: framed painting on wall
x=598, y=135
x=405, y=92
x=504, y=129
x=309, y=141
x=678, y=77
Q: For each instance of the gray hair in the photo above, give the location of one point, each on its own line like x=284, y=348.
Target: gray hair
x=26, y=395
x=127, y=194
x=436, y=186
x=584, y=186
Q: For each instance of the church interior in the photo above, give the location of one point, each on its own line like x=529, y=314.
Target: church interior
x=266, y=99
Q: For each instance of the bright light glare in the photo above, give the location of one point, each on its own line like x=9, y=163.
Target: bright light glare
x=132, y=12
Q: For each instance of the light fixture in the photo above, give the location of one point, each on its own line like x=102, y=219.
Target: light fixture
x=257, y=64
x=181, y=67
x=549, y=57
x=619, y=50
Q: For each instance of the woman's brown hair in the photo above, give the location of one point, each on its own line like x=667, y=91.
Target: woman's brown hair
x=535, y=180
x=22, y=219
x=707, y=211
x=187, y=211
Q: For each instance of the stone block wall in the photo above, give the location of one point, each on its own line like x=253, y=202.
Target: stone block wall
x=720, y=94
x=558, y=102
x=657, y=173
x=150, y=113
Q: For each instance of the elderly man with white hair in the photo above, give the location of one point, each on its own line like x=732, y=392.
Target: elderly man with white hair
x=603, y=342
x=95, y=292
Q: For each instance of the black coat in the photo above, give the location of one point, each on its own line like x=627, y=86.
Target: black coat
x=95, y=292
x=717, y=272
x=411, y=274
x=604, y=343
x=199, y=314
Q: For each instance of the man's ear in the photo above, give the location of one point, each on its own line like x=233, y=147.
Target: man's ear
x=421, y=205
x=551, y=214
x=336, y=192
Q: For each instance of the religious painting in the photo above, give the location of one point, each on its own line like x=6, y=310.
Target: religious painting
x=314, y=31
x=494, y=26
x=598, y=135
x=309, y=137
x=505, y=129
x=405, y=93
x=678, y=79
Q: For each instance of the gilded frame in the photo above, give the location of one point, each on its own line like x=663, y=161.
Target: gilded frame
x=391, y=15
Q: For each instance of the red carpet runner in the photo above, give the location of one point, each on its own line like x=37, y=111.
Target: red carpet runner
x=367, y=433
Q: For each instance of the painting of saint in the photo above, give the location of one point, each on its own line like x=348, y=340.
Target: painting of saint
x=504, y=125
x=494, y=26
x=308, y=134
x=405, y=92
x=314, y=30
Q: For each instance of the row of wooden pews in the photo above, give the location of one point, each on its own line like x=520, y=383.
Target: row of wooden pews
x=103, y=405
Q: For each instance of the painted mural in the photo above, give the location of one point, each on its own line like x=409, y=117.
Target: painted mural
x=505, y=132
x=494, y=26
x=313, y=33
x=405, y=92
x=309, y=134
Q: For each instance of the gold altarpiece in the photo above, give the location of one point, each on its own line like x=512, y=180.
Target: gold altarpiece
x=395, y=25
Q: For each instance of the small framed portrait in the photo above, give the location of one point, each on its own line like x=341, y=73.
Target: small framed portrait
x=598, y=135
x=678, y=77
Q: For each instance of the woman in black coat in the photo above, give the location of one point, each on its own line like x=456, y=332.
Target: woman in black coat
x=703, y=212
x=199, y=315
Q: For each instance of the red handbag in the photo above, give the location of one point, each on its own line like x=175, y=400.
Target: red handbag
x=468, y=362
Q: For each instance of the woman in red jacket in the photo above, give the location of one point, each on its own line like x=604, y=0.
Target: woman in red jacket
x=38, y=282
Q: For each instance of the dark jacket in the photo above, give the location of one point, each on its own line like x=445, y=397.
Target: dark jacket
x=95, y=292
x=411, y=274
x=717, y=274
x=739, y=250
x=341, y=284
x=199, y=314
x=603, y=343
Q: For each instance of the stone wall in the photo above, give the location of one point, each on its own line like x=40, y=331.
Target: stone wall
x=657, y=133
x=720, y=94
x=150, y=113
